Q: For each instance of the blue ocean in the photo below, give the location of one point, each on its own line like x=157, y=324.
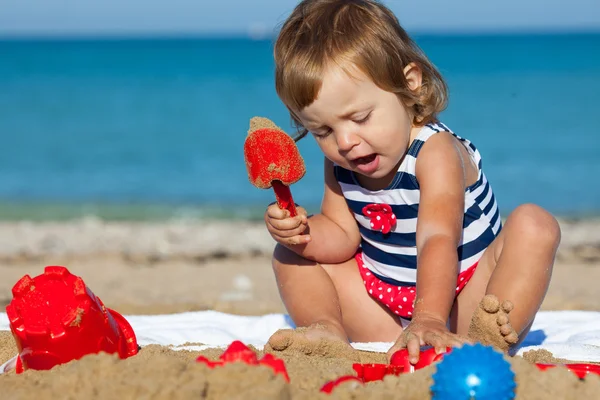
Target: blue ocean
x=154, y=128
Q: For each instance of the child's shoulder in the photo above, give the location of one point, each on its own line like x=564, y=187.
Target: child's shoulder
x=438, y=135
x=444, y=151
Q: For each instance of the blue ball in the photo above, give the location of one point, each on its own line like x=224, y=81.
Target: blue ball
x=473, y=372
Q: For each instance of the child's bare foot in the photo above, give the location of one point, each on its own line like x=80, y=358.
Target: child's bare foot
x=321, y=339
x=490, y=324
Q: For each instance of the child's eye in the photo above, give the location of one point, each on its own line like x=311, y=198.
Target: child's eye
x=363, y=120
x=323, y=133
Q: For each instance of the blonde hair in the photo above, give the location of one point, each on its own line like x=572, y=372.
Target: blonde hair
x=351, y=33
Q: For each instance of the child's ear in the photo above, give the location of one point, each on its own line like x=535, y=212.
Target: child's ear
x=414, y=76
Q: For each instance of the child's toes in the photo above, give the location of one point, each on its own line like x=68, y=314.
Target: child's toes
x=507, y=306
x=490, y=304
x=512, y=337
x=502, y=319
x=506, y=329
x=281, y=340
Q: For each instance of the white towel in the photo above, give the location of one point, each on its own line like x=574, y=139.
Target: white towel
x=573, y=335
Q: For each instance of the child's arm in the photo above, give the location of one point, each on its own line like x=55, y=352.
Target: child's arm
x=441, y=172
x=330, y=237
x=334, y=232
x=441, y=176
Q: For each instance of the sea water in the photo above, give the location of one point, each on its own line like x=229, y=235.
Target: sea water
x=154, y=128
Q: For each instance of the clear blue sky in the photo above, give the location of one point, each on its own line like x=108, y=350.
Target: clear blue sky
x=152, y=17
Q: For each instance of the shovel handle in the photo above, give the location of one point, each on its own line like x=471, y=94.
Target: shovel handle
x=284, y=197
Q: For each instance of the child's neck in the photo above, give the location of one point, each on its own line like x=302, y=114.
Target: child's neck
x=374, y=184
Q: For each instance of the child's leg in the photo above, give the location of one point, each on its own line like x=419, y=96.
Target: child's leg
x=516, y=267
x=331, y=300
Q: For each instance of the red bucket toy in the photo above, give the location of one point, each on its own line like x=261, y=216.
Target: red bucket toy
x=55, y=318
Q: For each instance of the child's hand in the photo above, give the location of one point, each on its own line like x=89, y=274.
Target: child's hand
x=422, y=331
x=285, y=229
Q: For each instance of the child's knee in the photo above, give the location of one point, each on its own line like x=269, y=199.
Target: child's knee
x=537, y=225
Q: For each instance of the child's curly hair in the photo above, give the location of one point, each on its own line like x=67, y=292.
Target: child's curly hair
x=360, y=33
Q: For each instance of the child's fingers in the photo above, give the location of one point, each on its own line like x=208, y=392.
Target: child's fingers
x=397, y=346
x=301, y=212
x=410, y=341
x=413, y=345
x=293, y=240
x=441, y=341
x=273, y=211
x=287, y=224
x=287, y=233
x=435, y=340
x=303, y=218
x=458, y=340
x=454, y=340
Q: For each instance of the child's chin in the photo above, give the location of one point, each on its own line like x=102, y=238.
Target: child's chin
x=380, y=173
x=372, y=175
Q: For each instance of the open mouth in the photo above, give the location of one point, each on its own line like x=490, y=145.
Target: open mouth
x=367, y=164
x=366, y=159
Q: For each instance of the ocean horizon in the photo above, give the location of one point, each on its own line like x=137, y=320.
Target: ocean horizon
x=153, y=128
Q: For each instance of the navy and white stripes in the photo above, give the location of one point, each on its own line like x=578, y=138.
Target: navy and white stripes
x=392, y=257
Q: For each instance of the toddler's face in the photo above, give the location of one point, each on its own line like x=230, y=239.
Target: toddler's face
x=358, y=125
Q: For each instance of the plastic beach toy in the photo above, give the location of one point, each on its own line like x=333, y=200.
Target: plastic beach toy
x=329, y=386
x=581, y=370
x=239, y=352
x=426, y=358
x=375, y=372
x=273, y=160
x=399, y=364
x=55, y=318
x=473, y=372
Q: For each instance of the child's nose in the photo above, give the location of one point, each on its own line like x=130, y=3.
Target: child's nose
x=346, y=140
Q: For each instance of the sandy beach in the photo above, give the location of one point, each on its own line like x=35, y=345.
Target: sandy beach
x=184, y=265
x=151, y=268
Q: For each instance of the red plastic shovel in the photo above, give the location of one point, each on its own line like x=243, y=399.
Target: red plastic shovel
x=273, y=160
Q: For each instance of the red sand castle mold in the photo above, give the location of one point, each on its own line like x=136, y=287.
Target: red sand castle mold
x=329, y=386
x=399, y=363
x=273, y=160
x=426, y=358
x=239, y=352
x=55, y=318
x=375, y=372
x=581, y=370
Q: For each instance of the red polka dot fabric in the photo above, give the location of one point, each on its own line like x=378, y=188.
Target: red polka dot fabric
x=400, y=299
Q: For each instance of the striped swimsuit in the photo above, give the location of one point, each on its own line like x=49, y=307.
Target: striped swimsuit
x=387, y=220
